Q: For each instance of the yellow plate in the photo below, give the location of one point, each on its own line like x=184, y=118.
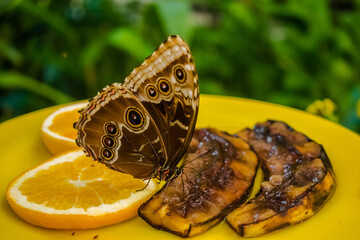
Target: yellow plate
x=21, y=148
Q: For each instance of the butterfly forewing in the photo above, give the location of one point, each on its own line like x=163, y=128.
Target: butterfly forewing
x=117, y=130
x=166, y=84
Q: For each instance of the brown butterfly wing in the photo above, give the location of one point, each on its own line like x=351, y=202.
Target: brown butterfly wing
x=117, y=130
x=166, y=84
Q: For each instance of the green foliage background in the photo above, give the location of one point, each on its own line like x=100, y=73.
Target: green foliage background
x=283, y=51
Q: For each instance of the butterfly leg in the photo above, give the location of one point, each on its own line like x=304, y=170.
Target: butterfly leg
x=183, y=185
x=191, y=168
x=147, y=184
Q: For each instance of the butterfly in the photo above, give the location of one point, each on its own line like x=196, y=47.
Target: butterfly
x=144, y=126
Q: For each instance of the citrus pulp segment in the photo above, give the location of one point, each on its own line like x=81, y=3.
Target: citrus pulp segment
x=71, y=191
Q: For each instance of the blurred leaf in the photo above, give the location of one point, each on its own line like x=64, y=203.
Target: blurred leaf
x=341, y=70
x=242, y=12
x=7, y=5
x=297, y=80
x=212, y=87
x=92, y=52
x=174, y=17
x=344, y=40
x=48, y=17
x=10, y=53
x=15, y=80
x=130, y=41
x=289, y=99
x=90, y=56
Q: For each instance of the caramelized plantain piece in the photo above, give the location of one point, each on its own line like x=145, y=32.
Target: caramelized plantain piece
x=218, y=174
x=298, y=180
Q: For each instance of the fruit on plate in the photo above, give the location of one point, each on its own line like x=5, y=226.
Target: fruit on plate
x=71, y=191
x=218, y=174
x=298, y=180
x=57, y=130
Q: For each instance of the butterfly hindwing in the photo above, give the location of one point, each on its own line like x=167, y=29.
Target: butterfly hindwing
x=117, y=130
x=145, y=126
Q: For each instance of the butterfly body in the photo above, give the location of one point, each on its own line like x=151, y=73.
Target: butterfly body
x=164, y=174
x=144, y=126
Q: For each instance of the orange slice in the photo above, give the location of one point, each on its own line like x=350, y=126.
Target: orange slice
x=57, y=130
x=71, y=191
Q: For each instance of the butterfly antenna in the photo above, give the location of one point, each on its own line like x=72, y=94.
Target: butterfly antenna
x=183, y=186
x=183, y=183
x=193, y=169
x=208, y=151
x=187, y=178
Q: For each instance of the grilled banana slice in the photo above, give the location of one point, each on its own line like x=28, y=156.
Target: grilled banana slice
x=218, y=174
x=298, y=180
